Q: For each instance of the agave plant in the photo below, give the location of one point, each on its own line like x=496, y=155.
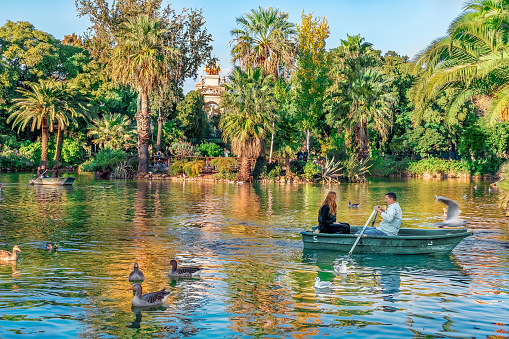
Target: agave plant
x=356, y=169
x=331, y=170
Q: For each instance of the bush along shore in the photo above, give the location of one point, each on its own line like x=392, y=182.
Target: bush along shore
x=116, y=164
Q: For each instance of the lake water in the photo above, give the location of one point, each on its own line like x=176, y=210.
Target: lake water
x=258, y=281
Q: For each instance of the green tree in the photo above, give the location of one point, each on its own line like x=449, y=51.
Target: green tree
x=362, y=95
x=248, y=103
x=310, y=79
x=470, y=59
x=113, y=131
x=264, y=39
x=48, y=104
x=140, y=60
x=191, y=118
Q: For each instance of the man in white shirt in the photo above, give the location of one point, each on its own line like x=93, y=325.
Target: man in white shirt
x=392, y=218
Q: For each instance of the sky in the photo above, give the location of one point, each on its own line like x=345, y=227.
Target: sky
x=403, y=26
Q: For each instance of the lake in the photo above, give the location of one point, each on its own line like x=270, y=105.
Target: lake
x=257, y=279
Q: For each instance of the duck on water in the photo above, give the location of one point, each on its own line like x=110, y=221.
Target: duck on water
x=148, y=299
x=183, y=272
x=8, y=256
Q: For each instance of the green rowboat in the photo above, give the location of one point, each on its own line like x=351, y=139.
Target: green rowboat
x=61, y=181
x=408, y=241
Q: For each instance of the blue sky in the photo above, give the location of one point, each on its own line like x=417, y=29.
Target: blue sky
x=404, y=26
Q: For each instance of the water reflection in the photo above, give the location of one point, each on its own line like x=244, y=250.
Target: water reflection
x=257, y=279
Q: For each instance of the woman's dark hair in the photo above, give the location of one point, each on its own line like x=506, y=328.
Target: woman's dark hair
x=391, y=195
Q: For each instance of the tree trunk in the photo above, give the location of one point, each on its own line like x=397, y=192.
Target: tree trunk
x=143, y=122
x=361, y=142
x=44, y=142
x=307, y=140
x=287, y=164
x=272, y=141
x=159, y=130
x=60, y=144
x=245, y=170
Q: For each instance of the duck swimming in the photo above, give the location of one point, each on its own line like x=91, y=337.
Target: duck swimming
x=149, y=299
x=185, y=272
x=51, y=246
x=136, y=274
x=8, y=256
x=353, y=205
x=322, y=284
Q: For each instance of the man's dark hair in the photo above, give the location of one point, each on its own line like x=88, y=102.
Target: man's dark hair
x=391, y=195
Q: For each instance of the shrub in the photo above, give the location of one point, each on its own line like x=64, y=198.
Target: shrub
x=223, y=164
x=438, y=166
x=210, y=149
x=177, y=167
x=355, y=170
x=297, y=166
x=503, y=170
x=311, y=170
x=105, y=159
x=183, y=150
x=193, y=168
x=73, y=152
x=388, y=165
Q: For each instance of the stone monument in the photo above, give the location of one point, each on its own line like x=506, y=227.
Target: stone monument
x=211, y=87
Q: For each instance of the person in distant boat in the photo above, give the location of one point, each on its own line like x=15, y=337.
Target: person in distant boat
x=56, y=172
x=327, y=216
x=392, y=217
x=41, y=171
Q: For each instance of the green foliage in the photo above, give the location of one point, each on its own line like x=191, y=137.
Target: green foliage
x=104, y=160
x=503, y=170
x=210, y=149
x=433, y=166
x=388, y=165
x=191, y=118
x=311, y=170
x=331, y=170
x=193, y=168
x=297, y=166
x=223, y=164
x=177, y=167
x=355, y=170
x=183, y=149
x=73, y=152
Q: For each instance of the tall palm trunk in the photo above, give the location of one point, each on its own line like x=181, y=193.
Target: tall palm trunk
x=159, y=130
x=361, y=141
x=59, y=146
x=143, y=122
x=44, y=141
x=245, y=169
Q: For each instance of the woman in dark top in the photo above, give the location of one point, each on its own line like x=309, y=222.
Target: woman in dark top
x=327, y=217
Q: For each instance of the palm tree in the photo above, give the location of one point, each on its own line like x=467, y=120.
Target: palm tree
x=48, y=104
x=113, y=131
x=248, y=115
x=470, y=60
x=264, y=40
x=365, y=101
x=141, y=60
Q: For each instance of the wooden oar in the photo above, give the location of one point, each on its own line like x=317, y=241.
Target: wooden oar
x=362, y=231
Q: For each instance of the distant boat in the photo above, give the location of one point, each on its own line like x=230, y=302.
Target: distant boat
x=61, y=181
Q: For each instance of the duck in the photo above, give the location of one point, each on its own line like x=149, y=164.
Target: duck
x=353, y=205
x=185, y=272
x=149, y=299
x=341, y=269
x=8, y=256
x=322, y=284
x=51, y=246
x=136, y=274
